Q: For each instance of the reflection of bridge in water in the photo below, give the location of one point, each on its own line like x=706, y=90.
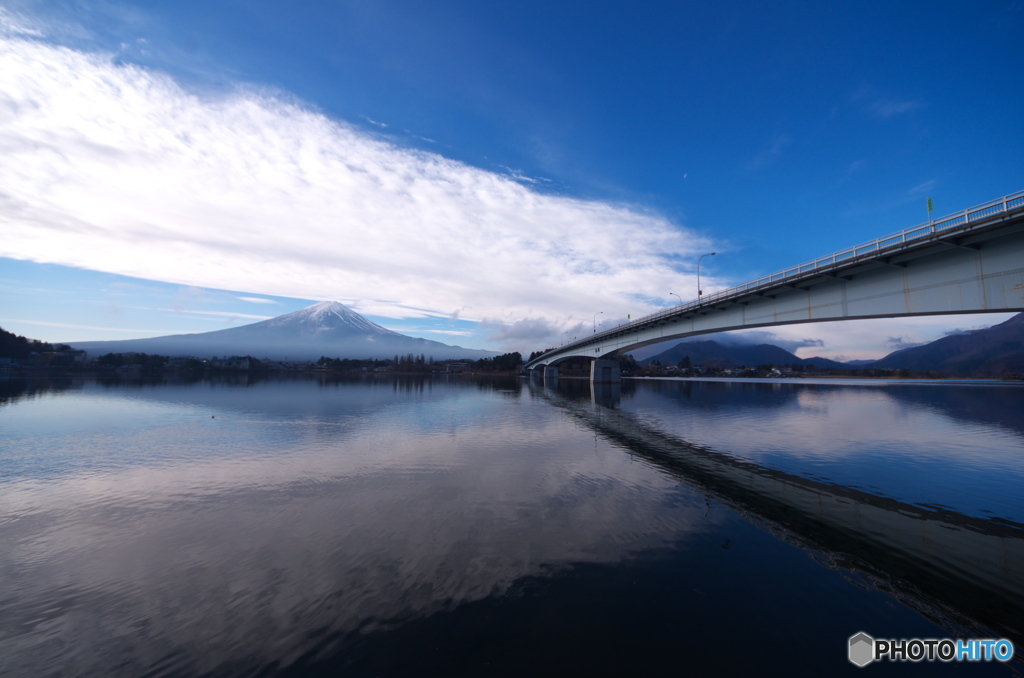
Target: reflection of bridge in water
x=968, y=262
x=963, y=572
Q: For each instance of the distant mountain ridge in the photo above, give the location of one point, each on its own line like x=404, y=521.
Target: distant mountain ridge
x=989, y=352
x=992, y=351
x=328, y=328
x=708, y=351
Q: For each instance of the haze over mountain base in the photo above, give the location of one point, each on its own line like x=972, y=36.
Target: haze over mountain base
x=325, y=329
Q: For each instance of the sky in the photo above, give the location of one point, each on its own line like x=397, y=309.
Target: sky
x=492, y=175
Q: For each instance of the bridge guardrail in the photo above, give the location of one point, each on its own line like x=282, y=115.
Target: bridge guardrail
x=873, y=247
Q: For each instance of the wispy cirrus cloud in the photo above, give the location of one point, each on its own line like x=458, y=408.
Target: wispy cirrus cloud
x=256, y=300
x=920, y=190
x=769, y=154
x=219, y=314
x=16, y=25
x=44, y=323
x=884, y=106
x=452, y=333
x=112, y=167
x=888, y=108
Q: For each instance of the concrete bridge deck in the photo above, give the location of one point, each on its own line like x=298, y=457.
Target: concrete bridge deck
x=968, y=262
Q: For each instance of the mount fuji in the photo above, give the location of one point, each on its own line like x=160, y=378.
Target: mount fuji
x=325, y=329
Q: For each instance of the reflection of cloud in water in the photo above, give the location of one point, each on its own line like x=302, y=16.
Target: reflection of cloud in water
x=947, y=444
x=252, y=557
x=946, y=564
x=826, y=422
x=997, y=408
x=156, y=423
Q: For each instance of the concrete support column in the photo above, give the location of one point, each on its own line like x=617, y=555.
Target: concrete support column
x=605, y=372
x=550, y=372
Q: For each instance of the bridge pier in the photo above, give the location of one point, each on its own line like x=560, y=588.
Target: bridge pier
x=550, y=372
x=605, y=372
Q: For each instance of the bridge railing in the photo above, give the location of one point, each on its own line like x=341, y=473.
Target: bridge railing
x=834, y=260
x=882, y=244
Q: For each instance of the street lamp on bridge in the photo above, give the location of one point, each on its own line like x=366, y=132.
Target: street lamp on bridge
x=699, y=291
x=595, y=320
x=678, y=297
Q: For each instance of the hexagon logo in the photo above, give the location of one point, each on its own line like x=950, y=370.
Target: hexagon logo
x=862, y=649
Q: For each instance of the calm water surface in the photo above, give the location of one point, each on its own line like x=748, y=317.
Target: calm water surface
x=500, y=527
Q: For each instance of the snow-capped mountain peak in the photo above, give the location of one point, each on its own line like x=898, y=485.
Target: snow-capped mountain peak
x=326, y=316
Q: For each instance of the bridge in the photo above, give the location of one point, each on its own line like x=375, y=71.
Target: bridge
x=968, y=262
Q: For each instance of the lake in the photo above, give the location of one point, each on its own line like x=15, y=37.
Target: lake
x=458, y=526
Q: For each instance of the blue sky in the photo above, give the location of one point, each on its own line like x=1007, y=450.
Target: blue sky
x=485, y=174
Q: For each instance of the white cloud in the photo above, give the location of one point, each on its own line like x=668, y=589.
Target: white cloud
x=874, y=338
x=518, y=175
x=526, y=329
x=453, y=333
x=16, y=25
x=220, y=314
x=257, y=300
x=43, y=323
x=115, y=168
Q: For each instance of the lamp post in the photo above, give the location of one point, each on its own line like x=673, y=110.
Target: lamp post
x=699, y=291
x=679, y=297
x=563, y=337
x=595, y=320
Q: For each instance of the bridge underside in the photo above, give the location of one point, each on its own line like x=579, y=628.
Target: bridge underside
x=977, y=273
